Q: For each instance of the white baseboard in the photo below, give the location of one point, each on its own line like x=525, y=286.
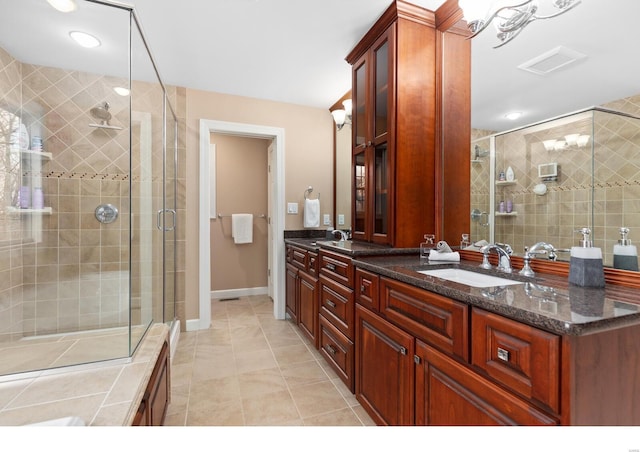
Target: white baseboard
x=192, y=325
x=234, y=293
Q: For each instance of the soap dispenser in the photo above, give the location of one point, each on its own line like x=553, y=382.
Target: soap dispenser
x=585, y=267
x=625, y=255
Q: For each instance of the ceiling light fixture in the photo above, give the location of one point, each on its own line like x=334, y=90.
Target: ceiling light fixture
x=84, y=39
x=343, y=116
x=64, y=6
x=509, y=17
x=513, y=115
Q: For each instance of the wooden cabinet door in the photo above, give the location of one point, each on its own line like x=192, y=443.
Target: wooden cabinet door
x=291, y=286
x=449, y=393
x=308, y=306
x=384, y=369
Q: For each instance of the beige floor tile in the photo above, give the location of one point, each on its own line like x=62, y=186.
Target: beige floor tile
x=344, y=417
x=292, y=354
x=276, y=408
x=255, y=360
x=252, y=369
x=203, y=394
x=317, y=398
x=257, y=383
x=303, y=373
x=225, y=414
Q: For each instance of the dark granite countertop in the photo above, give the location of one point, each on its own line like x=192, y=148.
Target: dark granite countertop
x=351, y=248
x=548, y=302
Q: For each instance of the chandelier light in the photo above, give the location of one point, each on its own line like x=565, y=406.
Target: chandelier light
x=509, y=17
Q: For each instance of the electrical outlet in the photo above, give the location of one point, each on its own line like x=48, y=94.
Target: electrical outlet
x=341, y=219
x=292, y=208
x=326, y=219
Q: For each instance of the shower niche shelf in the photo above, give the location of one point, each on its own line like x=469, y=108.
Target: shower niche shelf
x=45, y=211
x=506, y=182
x=41, y=154
x=506, y=214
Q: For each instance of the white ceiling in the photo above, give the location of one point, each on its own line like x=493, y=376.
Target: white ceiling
x=293, y=50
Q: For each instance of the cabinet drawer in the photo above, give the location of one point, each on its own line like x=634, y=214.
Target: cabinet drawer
x=336, y=304
x=338, y=350
x=366, y=289
x=336, y=267
x=437, y=320
x=299, y=258
x=312, y=263
x=523, y=358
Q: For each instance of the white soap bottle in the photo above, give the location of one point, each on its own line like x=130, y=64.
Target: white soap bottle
x=585, y=266
x=625, y=255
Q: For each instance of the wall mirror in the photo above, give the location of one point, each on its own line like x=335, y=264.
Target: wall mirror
x=342, y=170
x=552, y=69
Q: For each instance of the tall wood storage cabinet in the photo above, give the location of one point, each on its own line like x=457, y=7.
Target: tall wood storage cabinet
x=394, y=128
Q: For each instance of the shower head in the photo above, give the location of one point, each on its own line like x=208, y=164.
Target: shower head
x=101, y=112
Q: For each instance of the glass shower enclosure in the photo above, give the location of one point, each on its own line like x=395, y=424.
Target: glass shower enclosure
x=88, y=140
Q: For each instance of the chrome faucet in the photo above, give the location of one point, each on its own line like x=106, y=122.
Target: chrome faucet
x=537, y=248
x=343, y=235
x=503, y=251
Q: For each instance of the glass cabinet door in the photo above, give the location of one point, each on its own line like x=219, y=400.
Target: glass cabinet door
x=381, y=207
x=381, y=90
x=359, y=120
x=360, y=194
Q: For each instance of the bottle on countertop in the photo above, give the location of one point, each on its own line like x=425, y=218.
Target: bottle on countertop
x=585, y=266
x=625, y=255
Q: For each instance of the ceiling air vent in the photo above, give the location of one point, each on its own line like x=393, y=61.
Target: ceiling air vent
x=552, y=60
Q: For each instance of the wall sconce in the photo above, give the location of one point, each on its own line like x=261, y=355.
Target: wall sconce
x=508, y=16
x=343, y=116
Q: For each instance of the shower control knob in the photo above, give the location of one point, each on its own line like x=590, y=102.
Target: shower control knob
x=106, y=213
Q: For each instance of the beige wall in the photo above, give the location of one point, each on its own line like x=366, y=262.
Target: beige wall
x=241, y=187
x=308, y=160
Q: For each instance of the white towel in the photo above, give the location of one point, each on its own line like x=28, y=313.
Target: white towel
x=437, y=256
x=242, y=227
x=311, y=213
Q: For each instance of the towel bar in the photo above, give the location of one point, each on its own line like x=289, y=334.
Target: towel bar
x=309, y=191
x=229, y=216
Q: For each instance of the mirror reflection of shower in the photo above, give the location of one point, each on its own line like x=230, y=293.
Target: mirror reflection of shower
x=101, y=113
x=479, y=153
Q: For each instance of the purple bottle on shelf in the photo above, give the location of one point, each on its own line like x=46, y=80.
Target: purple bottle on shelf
x=24, y=197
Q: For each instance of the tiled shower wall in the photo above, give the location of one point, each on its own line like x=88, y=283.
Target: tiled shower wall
x=76, y=274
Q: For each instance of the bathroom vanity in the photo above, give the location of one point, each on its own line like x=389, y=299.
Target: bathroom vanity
x=417, y=349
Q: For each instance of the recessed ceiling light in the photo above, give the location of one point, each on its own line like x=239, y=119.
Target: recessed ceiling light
x=513, y=115
x=121, y=90
x=65, y=6
x=84, y=39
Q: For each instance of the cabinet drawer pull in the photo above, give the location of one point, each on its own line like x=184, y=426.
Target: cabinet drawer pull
x=503, y=354
x=403, y=351
x=331, y=349
x=362, y=288
x=330, y=303
x=331, y=267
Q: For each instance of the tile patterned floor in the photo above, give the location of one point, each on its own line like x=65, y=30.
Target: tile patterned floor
x=250, y=369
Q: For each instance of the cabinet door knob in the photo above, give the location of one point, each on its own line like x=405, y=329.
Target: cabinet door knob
x=331, y=349
x=362, y=288
x=503, y=354
x=330, y=303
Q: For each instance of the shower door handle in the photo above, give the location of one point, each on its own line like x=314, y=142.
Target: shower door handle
x=160, y=220
x=173, y=220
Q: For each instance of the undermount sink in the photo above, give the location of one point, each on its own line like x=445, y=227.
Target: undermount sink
x=469, y=278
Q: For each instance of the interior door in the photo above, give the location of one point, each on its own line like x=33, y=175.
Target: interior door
x=270, y=181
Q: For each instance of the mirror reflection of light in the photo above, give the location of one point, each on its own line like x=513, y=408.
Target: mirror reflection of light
x=64, y=6
x=84, y=39
x=121, y=91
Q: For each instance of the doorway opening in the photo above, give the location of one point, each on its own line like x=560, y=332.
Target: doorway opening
x=275, y=214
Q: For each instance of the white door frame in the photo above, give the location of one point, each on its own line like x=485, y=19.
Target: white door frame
x=276, y=216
